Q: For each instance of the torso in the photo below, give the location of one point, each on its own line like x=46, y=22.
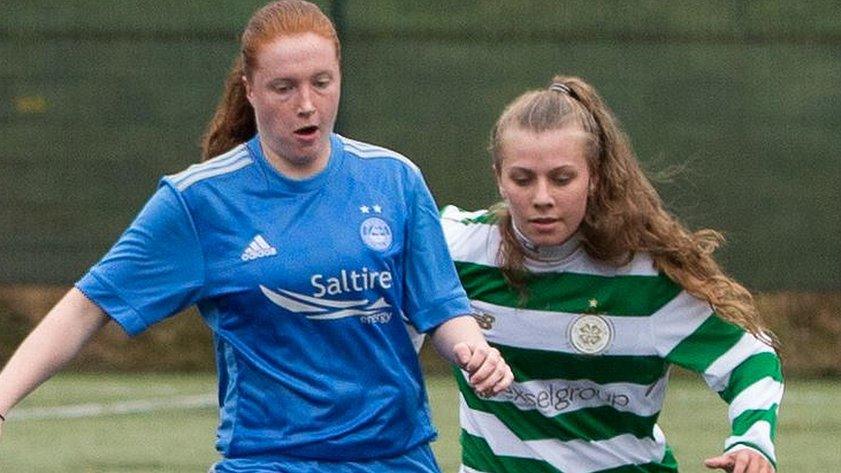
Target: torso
x=304, y=296
x=589, y=378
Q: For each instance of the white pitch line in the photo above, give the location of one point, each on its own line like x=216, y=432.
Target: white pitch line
x=116, y=408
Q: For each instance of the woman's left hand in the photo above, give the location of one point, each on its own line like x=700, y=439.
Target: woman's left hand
x=744, y=460
x=488, y=373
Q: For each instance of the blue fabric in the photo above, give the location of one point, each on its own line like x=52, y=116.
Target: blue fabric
x=305, y=285
x=417, y=460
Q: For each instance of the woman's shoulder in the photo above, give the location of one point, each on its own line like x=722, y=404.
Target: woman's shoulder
x=638, y=264
x=452, y=213
x=374, y=154
x=641, y=263
x=212, y=169
x=472, y=236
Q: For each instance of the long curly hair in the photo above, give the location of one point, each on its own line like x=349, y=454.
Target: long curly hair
x=233, y=121
x=624, y=214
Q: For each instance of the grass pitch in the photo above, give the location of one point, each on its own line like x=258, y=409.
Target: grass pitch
x=175, y=439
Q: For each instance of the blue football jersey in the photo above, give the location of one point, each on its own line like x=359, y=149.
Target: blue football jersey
x=306, y=285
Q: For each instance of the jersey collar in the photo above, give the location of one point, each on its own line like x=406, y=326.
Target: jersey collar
x=280, y=182
x=547, y=254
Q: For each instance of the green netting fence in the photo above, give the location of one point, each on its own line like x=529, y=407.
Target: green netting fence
x=98, y=99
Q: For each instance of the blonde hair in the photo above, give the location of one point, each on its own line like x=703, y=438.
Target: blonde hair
x=233, y=121
x=624, y=214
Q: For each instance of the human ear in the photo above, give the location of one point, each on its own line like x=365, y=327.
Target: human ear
x=502, y=192
x=498, y=176
x=247, y=86
x=593, y=185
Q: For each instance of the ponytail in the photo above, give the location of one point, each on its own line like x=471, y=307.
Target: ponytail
x=625, y=214
x=233, y=122
x=622, y=200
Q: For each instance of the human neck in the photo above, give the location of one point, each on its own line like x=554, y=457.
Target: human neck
x=300, y=169
x=547, y=253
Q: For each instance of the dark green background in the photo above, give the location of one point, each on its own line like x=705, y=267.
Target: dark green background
x=100, y=98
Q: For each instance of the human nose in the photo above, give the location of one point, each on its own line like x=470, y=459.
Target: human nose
x=305, y=105
x=542, y=197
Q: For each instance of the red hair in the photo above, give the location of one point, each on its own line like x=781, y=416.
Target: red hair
x=284, y=18
x=234, y=122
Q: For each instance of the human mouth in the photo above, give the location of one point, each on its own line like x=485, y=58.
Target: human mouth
x=543, y=223
x=306, y=133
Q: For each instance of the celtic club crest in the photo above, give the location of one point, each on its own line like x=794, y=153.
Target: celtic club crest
x=590, y=334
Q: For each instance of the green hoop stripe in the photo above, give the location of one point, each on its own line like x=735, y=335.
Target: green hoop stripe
x=747, y=419
x=529, y=364
x=751, y=370
x=667, y=465
x=706, y=344
x=571, y=292
x=477, y=454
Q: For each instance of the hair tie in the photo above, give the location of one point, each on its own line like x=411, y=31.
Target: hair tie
x=562, y=88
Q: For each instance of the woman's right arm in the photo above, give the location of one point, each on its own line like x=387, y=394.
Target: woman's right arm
x=53, y=343
x=158, y=266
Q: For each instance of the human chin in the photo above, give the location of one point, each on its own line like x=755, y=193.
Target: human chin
x=553, y=235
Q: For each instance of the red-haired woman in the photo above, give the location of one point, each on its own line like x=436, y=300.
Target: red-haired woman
x=307, y=254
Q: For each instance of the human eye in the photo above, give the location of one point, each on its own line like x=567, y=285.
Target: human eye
x=563, y=178
x=520, y=178
x=322, y=81
x=281, y=87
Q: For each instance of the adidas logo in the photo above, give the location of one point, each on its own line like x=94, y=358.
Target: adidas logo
x=258, y=248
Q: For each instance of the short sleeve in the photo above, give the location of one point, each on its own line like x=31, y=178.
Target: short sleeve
x=433, y=293
x=155, y=269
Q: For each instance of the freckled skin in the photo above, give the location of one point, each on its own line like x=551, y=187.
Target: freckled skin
x=545, y=179
x=296, y=84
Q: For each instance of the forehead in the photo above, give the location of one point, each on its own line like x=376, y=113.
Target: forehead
x=548, y=149
x=299, y=54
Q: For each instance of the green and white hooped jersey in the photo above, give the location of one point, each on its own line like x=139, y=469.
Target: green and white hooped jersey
x=590, y=350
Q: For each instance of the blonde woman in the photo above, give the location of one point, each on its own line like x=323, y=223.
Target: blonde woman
x=591, y=290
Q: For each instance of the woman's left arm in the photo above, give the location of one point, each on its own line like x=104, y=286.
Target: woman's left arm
x=742, y=369
x=434, y=300
x=460, y=341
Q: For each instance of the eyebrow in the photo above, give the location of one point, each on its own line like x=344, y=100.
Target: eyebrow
x=281, y=77
x=562, y=167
